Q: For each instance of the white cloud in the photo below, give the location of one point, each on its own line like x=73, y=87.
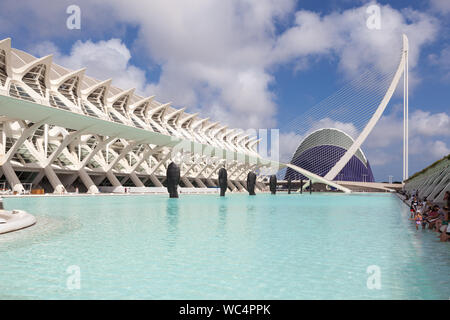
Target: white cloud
x=103, y=60
x=348, y=127
x=388, y=130
x=442, y=6
x=428, y=124
x=288, y=144
x=381, y=157
x=426, y=148
x=213, y=55
x=345, y=36
x=45, y=48
x=428, y=133
x=439, y=149
x=442, y=61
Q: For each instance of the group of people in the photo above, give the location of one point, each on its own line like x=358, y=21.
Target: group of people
x=425, y=214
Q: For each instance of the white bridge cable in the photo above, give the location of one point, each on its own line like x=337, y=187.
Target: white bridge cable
x=352, y=104
x=349, y=109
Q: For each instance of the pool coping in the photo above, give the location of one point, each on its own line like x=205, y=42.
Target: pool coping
x=15, y=220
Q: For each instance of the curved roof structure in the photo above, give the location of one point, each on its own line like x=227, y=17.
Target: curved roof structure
x=40, y=80
x=322, y=149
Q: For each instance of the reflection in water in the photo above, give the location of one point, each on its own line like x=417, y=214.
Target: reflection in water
x=251, y=209
x=222, y=226
x=45, y=229
x=222, y=217
x=250, y=215
x=172, y=213
x=272, y=210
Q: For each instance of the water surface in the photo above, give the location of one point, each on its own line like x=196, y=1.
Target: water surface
x=204, y=247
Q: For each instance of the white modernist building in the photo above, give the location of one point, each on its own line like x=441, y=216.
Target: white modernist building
x=62, y=130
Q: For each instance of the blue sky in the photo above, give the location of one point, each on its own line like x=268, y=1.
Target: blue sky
x=256, y=64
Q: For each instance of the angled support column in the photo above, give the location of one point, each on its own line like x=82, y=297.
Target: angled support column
x=261, y=186
x=137, y=182
x=124, y=179
x=192, y=166
x=238, y=185
x=70, y=179
x=97, y=149
x=54, y=180
x=187, y=182
x=58, y=187
x=217, y=167
x=145, y=156
x=99, y=178
x=199, y=174
x=38, y=178
x=113, y=179
x=23, y=137
x=231, y=186
x=164, y=159
x=155, y=181
x=87, y=181
x=66, y=141
x=210, y=183
x=12, y=178
x=243, y=183
x=122, y=154
x=239, y=167
x=200, y=183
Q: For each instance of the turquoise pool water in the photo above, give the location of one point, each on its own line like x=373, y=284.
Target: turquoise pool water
x=204, y=247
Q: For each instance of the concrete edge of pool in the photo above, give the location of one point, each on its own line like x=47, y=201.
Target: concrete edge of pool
x=15, y=220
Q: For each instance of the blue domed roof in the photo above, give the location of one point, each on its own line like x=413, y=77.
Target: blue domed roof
x=322, y=149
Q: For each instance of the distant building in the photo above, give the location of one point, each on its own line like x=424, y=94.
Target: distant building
x=322, y=149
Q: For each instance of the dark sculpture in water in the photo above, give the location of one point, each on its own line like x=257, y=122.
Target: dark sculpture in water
x=251, y=181
x=301, y=186
x=289, y=181
x=273, y=184
x=173, y=179
x=223, y=183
